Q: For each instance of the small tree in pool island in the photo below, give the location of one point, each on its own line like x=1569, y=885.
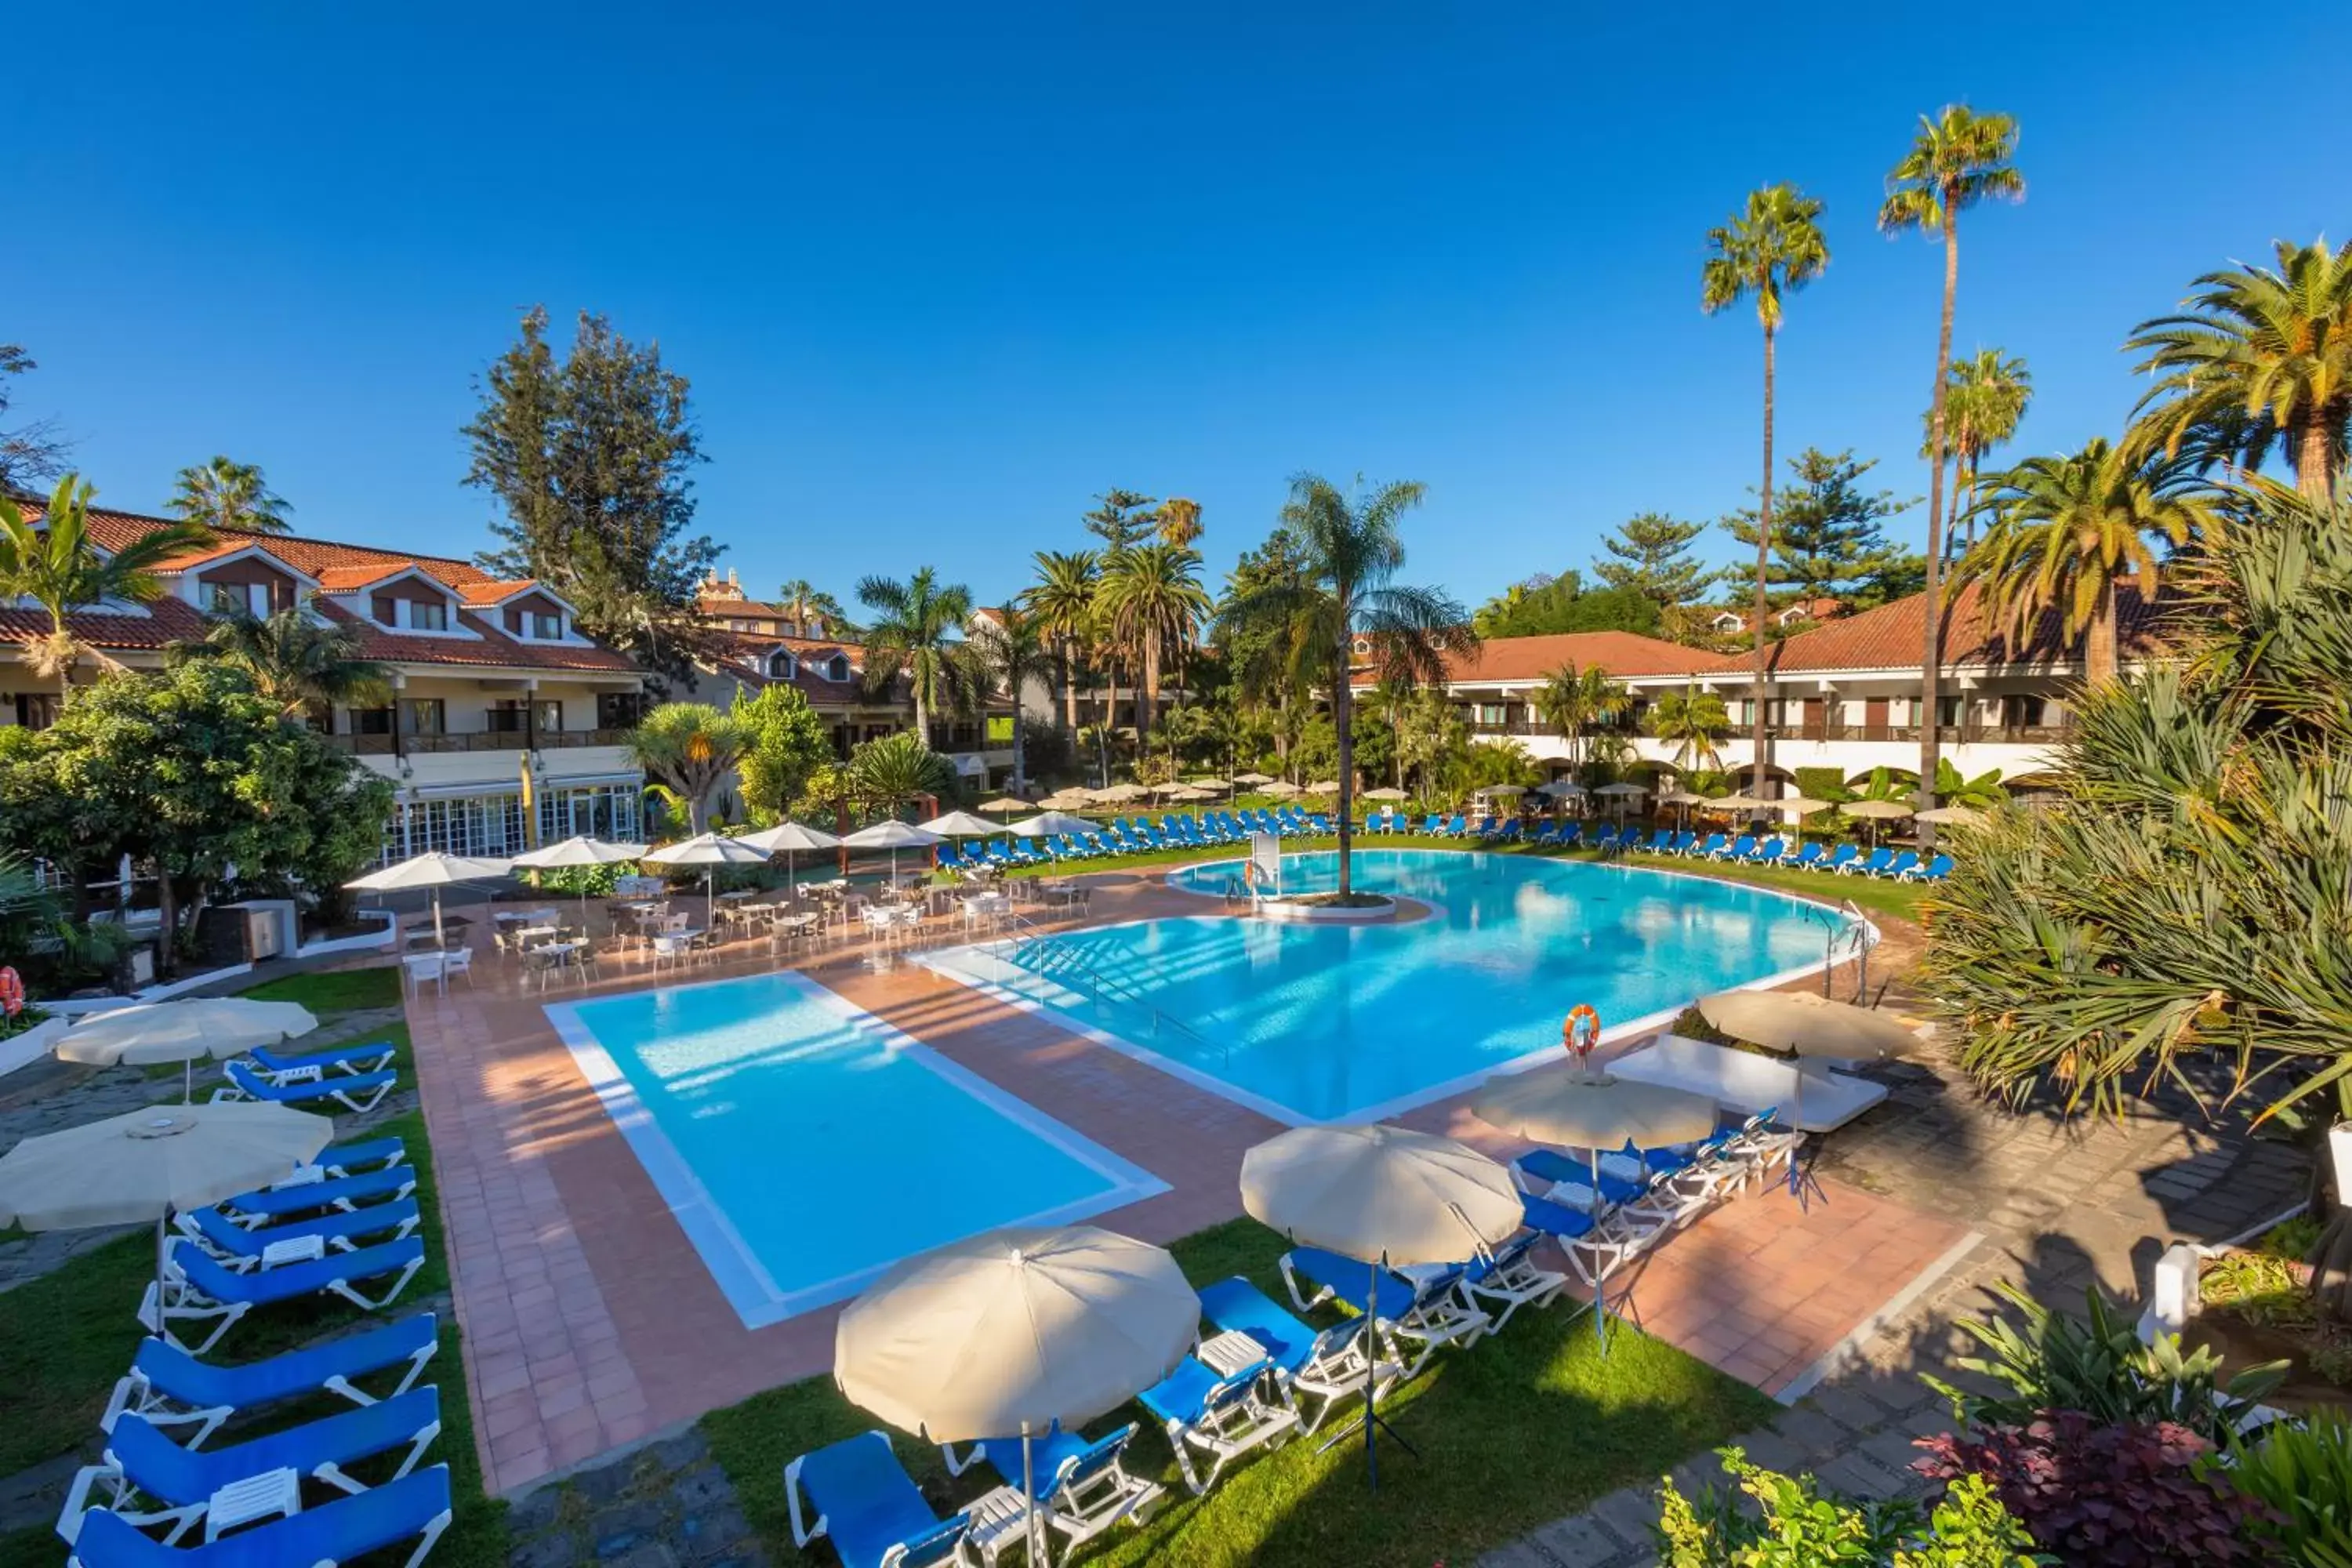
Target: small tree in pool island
x=1346, y=608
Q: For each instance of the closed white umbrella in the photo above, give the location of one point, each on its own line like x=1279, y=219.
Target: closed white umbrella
x=581, y=850
x=1622, y=790
x=1012, y=1331
x=1052, y=823
x=184, y=1032
x=1385, y=1195
x=709, y=851
x=431, y=869
x=894, y=836
x=1068, y=799
x=788, y=839
x=1324, y=787
x=131, y=1169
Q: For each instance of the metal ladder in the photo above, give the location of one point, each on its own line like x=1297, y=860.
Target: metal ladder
x=1849, y=936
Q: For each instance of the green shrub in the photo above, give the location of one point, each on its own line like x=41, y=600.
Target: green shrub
x=1823, y=783
x=1794, y=1526
x=2304, y=1471
x=2097, y=1365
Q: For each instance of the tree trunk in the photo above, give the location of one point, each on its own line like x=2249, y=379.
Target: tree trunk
x=1148, y=698
x=922, y=716
x=1932, y=655
x=1069, y=695
x=1343, y=723
x=2311, y=474
x=167, y=914
x=1763, y=678
x=1020, y=772
x=2099, y=639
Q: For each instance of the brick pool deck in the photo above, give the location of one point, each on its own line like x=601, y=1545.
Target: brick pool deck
x=592, y=1325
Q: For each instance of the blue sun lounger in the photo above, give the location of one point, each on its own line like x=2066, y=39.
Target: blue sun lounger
x=1082, y=1487
x=149, y=1479
x=1327, y=1366
x=1223, y=1416
x=356, y=1091
x=342, y=1531
x=1935, y=871
x=1430, y=1313
x=1903, y=866
x=169, y=1387
x=339, y=1160
x=1840, y=858
x=205, y=1289
x=334, y=1192
x=863, y=1502
x=373, y=1056
x=1808, y=857
x=338, y=1230
x=1878, y=860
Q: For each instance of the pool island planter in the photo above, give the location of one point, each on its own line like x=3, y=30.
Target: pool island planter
x=1310, y=910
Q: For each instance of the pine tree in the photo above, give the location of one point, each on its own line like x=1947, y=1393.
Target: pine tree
x=1123, y=518
x=1829, y=539
x=1653, y=558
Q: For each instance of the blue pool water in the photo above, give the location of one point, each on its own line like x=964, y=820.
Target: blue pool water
x=1324, y=1022
x=805, y=1145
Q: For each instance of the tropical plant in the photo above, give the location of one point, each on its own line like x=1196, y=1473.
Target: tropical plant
x=812, y=611
x=224, y=494
x=1152, y=601
x=784, y=741
x=2067, y=531
x=1180, y=521
x=889, y=774
x=1695, y=721
x=1572, y=701
x=1957, y=159
x=2096, y=1364
x=917, y=631
x=689, y=748
x=51, y=559
x=1984, y=402
x=293, y=658
x=1347, y=596
x=1789, y=1523
x=2302, y=1471
x=1652, y=557
x=1012, y=649
x=2260, y=359
x=1772, y=247
x=2131, y=1494
x=1429, y=729
x=1062, y=602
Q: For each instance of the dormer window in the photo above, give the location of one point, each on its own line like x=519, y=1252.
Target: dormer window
x=837, y=668
x=542, y=626
x=225, y=598
x=428, y=615
x=1363, y=647
x=782, y=665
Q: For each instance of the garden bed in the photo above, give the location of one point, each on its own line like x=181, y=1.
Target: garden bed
x=2257, y=1307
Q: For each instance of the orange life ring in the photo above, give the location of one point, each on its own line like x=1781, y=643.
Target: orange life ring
x=12, y=993
x=1582, y=1012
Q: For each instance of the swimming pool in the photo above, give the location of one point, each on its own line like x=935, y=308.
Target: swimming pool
x=805, y=1145
x=1327, y=1023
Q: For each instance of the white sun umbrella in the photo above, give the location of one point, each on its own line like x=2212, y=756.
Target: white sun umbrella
x=1385, y=1195
x=1875, y=812
x=1949, y=815
x=431, y=869
x=1561, y=789
x=1068, y=799
x=1052, y=825
x=1324, y=787
x=1386, y=792
x=131, y=1169
x=1012, y=1331
x=894, y=836
x=709, y=851
x=1253, y=779
x=1623, y=792
x=1189, y=793
x=788, y=839
x=1280, y=790
x=1805, y=1025
x=1004, y=805
x=581, y=850
x=964, y=825
x=184, y=1032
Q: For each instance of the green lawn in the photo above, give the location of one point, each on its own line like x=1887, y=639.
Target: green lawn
x=65, y=1337
x=333, y=990
x=1521, y=1429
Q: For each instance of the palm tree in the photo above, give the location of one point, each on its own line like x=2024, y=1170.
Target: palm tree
x=890, y=772
x=1771, y=248
x=52, y=560
x=1062, y=601
x=689, y=748
x=292, y=659
x=1957, y=160
x=1153, y=602
x=1351, y=553
x=2260, y=358
x=222, y=494
x=804, y=604
x=917, y=631
x=1572, y=701
x=1984, y=402
x=1694, y=721
x=1012, y=649
x=1179, y=521
x=2068, y=530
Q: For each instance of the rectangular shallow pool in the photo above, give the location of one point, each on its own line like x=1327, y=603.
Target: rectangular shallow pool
x=805, y=1146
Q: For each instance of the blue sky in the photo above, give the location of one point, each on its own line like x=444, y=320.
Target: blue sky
x=940, y=275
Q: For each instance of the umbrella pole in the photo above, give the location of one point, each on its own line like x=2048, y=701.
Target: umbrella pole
x=160, y=1246
x=1029, y=1500
x=438, y=940
x=1599, y=1285
x=1372, y=1369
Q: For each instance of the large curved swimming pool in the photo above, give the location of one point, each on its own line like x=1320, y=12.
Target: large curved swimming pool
x=1326, y=1022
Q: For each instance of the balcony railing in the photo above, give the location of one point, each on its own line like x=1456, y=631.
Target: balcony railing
x=473, y=741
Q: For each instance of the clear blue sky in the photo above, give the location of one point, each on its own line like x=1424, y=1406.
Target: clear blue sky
x=940, y=274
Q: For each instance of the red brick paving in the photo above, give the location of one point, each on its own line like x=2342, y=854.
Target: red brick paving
x=590, y=1322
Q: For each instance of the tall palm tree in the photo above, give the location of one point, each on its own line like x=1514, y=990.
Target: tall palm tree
x=1985, y=398
x=51, y=559
x=1771, y=248
x=1062, y=601
x=1351, y=552
x=2068, y=530
x=2260, y=358
x=805, y=605
x=1957, y=160
x=1572, y=701
x=1179, y=521
x=292, y=659
x=1694, y=721
x=1013, y=650
x=223, y=494
x=917, y=631
x=1153, y=602
x=689, y=748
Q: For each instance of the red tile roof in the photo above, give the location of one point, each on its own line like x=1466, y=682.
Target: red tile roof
x=1893, y=636
x=495, y=590
x=1622, y=654
x=166, y=621
x=494, y=650
x=343, y=579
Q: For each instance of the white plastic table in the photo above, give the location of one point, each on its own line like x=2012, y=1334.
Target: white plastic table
x=268, y=1495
